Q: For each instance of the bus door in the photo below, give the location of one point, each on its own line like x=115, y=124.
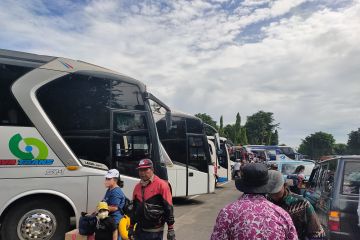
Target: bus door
x=130, y=141
x=224, y=166
x=197, y=166
x=212, y=167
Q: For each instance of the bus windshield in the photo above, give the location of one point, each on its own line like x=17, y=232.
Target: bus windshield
x=101, y=119
x=186, y=142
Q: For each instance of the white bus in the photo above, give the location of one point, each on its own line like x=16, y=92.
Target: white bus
x=224, y=161
x=63, y=123
x=274, y=152
x=192, y=171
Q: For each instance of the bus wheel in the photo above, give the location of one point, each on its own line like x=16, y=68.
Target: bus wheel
x=36, y=219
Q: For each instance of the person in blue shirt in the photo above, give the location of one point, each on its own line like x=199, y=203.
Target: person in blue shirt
x=114, y=196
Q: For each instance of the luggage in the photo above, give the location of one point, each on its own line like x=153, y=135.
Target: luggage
x=87, y=224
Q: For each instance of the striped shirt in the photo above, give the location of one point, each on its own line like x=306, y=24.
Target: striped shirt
x=303, y=215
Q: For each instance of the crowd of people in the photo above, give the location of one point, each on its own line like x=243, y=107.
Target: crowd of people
x=151, y=207
x=266, y=209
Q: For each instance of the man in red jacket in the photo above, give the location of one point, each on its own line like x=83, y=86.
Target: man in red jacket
x=152, y=206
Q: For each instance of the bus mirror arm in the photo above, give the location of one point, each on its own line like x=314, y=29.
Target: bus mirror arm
x=168, y=120
x=168, y=117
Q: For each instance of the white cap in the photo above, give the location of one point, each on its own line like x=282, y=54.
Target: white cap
x=112, y=173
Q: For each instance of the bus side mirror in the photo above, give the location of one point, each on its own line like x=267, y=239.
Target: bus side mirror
x=168, y=120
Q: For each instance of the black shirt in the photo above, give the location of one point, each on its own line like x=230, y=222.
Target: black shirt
x=105, y=228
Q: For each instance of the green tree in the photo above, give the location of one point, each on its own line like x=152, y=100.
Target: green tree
x=340, y=149
x=237, y=128
x=259, y=126
x=207, y=119
x=269, y=136
x=229, y=132
x=274, y=138
x=353, y=143
x=317, y=144
x=243, y=136
x=221, y=128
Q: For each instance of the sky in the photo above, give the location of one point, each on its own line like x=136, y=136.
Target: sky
x=296, y=58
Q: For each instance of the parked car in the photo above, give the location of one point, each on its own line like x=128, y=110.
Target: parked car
x=333, y=190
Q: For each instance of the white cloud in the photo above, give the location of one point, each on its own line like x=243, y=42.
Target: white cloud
x=302, y=67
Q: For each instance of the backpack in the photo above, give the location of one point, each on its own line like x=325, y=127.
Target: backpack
x=127, y=208
x=87, y=224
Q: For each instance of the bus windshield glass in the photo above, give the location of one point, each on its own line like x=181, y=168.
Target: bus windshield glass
x=81, y=108
x=186, y=142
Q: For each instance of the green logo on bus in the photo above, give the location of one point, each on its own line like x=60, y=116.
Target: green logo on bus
x=30, y=143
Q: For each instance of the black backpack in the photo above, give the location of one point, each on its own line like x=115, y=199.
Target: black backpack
x=87, y=224
x=127, y=208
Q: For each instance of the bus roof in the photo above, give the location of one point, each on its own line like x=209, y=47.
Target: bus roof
x=35, y=61
x=30, y=58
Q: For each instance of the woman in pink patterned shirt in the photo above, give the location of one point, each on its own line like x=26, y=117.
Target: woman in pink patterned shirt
x=252, y=216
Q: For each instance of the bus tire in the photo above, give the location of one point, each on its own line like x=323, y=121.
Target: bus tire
x=26, y=218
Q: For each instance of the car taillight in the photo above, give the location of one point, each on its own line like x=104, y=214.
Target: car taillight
x=334, y=221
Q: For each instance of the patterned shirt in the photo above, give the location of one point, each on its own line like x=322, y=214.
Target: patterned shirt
x=253, y=217
x=303, y=215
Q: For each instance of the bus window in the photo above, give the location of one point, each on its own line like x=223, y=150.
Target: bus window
x=197, y=156
x=130, y=141
x=77, y=103
x=126, y=96
x=223, y=162
x=11, y=114
x=178, y=129
x=79, y=107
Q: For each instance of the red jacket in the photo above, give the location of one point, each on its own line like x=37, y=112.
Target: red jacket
x=157, y=195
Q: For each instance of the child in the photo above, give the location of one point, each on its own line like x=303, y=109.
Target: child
x=105, y=227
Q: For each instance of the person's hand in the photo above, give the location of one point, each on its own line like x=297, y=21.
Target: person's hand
x=131, y=233
x=171, y=233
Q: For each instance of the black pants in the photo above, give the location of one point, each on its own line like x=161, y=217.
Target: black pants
x=142, y=235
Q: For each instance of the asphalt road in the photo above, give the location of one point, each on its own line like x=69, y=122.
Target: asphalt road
x=195, y=217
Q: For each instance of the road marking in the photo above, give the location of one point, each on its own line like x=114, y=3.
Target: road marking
x=194, y=197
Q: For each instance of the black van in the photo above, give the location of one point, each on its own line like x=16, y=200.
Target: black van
x=333, y=190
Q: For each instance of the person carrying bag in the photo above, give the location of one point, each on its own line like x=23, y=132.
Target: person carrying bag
x=152, y=206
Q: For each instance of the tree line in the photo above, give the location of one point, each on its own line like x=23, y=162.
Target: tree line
x=261, y=129
x=321, y=144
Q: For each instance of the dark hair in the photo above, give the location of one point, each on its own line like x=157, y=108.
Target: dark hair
x=273, y=167
x=299, y=169
x=119, y=182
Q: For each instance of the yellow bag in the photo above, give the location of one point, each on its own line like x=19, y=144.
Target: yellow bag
x=124, y=225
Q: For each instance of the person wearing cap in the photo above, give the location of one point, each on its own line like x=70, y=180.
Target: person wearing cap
x=300, y=210
x=106, y=229
x=152, y=206
x=114, y=196
x=252, y=216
